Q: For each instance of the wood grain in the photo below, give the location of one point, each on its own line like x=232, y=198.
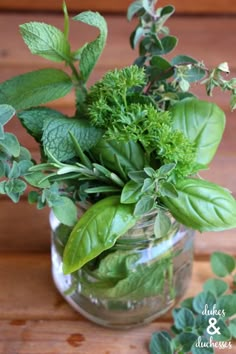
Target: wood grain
x=34, y=318
x=182, y=6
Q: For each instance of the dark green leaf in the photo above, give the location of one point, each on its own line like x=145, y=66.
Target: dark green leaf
x=91, y=52
x=222, y=264
x=57, y=140
x=168, y=44
x=202, y=346
x=35, y=88
x=160, y=68
x=46, y=40
x=186, y=340
x=216, y=286
x=129, y=154
x=225, y=334
x=91, y=235
x=195, y=72
x=202, y=205
x=203, y=123
x=187, y=303
x=160, y=344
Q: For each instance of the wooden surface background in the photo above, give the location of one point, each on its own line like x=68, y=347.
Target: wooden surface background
x=34, y=319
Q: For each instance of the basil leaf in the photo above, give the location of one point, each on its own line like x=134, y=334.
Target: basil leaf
x=56, y=136
x=91, y=52
x=202, y=205
x=46, y=40
x=96, y=231
x=203, y=123
x=129, y=155
x=35, y=88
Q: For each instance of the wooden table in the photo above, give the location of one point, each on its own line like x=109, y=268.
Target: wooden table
x=34, y=318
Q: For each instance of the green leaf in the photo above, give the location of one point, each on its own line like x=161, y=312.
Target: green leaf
x=160, y=68
x=227, y=303
x=183, y=319
x=162, y=225
x=222, y=264
x=6, y=113
x=35, y=88
x=160, y=344
x=201, y=300
x=133, y=8
x=57, y=139
x=91, y=52
x=195, y=72
x=91, y=235
x=125, y=153
x=65, y=211
x=66, y=20
x=224, y=332
x=168, y=44
x=206, y=349
x=145, y=280
x=46, y=40
x=202, y=205
x=131, y=192
x=216, y=286
x=34, y=119
x=232, y=327
x=144, y=205
x=37, y=179
x=187, y=303
x=116, y=265
x=10, y=145
x=186, y=340
x=203, y=123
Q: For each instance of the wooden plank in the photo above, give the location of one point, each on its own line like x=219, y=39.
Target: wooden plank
x=182, y=6
x=28, y=292
x=196, y=36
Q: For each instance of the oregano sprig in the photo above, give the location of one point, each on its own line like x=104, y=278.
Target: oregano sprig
x=191, y=329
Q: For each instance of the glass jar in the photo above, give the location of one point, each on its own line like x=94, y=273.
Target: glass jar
x=137, y=280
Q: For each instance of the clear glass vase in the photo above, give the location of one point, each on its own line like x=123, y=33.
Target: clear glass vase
x=139, y=279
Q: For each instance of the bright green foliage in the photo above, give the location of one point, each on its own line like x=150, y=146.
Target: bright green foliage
x=191, y=323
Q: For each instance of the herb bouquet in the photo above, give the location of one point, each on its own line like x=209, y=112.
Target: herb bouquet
x=121, y=175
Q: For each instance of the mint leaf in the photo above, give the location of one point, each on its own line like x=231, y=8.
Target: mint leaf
x=35, y=88
x=33, y=119
x=46, y=40
x=57, y=139
x=91, y=52
x=222, y=264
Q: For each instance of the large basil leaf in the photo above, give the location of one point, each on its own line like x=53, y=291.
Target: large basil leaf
x=128, y=156
x=202, y=205
x=35, y=88
x=203, y=123
x=96, y=231
x=91, y=52
x=57, y=140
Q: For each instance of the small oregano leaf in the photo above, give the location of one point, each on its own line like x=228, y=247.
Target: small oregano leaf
x=6, y=113
x=65, y=211
x=162, y=225
x=222, y=264
x=216, y=286
x=160, y=344
x=202, y=300
x=183, y=319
